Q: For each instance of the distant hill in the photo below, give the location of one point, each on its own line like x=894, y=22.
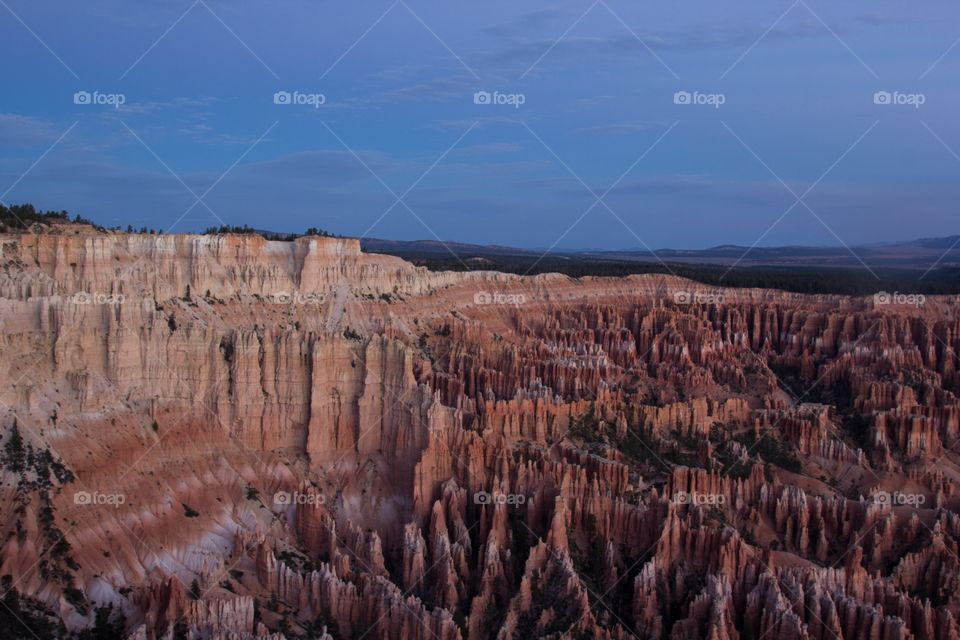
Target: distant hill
x=919, y=254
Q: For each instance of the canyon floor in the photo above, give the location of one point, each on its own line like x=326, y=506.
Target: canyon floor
x=222, y=437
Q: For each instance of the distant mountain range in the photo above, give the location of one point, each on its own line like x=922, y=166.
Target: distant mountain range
x=914, y=254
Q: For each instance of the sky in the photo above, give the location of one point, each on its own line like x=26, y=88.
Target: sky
x=587, y=124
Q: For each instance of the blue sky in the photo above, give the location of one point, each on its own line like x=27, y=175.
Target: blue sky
x=399, y=119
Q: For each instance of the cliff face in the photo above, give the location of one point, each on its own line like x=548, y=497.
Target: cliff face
x=226, y=437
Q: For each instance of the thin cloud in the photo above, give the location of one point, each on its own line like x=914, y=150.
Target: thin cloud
x=621, y=128
x=26, y=131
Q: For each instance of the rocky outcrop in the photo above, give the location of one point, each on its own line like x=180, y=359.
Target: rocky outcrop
x=232, y=438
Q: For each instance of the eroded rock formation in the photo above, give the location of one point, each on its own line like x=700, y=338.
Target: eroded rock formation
x=233, y=438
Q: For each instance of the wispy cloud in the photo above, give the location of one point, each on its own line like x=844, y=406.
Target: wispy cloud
x=621, y=128
x=26, y=131
x=532, y=21
x=488, y=149
x=456, y=86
